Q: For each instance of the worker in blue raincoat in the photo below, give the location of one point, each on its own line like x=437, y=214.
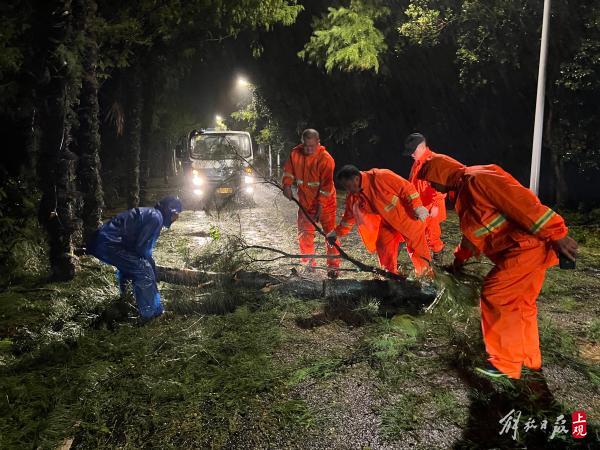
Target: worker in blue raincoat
x=126, y=242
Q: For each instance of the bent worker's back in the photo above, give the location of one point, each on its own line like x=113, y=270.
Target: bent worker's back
x=136, y=229
x=126, y=242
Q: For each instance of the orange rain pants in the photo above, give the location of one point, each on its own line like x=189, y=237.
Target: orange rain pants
x=433, y=234
x=509, y=310
x=306, y=235
x=388, y=241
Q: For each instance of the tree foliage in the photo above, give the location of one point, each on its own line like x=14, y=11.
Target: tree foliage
x=347, y=38
x=256, y=118
x=424, y=24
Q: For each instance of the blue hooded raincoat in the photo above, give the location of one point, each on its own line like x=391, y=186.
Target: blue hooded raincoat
x=126, y=242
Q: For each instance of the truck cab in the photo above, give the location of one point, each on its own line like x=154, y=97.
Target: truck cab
x=218, y=168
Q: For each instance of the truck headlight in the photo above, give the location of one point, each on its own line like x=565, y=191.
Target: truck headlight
x=198, y=192
x=197, y=181
x=248, y=179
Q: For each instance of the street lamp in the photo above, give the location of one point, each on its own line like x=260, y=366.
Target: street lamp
x=218, y=118
x=538, y=127
x=243, y=82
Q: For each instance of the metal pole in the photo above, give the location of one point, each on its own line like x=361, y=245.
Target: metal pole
x=538, y=128
x=278, y=162
x=270, y=163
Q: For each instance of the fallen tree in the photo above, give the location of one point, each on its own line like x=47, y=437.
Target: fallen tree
x=393, y=288
x=394, y=291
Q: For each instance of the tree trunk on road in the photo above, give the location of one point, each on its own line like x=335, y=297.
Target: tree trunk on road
x=405, y=291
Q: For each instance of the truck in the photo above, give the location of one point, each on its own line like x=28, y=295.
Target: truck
x=218, y=168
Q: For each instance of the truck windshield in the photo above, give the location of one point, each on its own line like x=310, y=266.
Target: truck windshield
x=221, y=146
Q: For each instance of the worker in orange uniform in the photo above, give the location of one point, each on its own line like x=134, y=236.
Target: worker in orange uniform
x=310, y=167
x=416, y=146
x=387, y=210
x=506, y=222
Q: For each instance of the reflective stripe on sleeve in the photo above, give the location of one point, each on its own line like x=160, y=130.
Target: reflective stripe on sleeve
x=543, y=220
x=392, y=204
x=493, y=224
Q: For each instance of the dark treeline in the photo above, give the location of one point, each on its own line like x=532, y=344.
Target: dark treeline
x=95, y=94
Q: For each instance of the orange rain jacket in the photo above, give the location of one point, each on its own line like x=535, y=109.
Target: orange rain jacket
x=313, y=175
x=429, y=196
x=507, y=222
x=495, y=210
x=388, y=198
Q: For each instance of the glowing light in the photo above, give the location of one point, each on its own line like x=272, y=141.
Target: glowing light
x=194, y=172
x=218, y=118
x=248, y=179
x=248, y=169
x=242, y=82
x=198, y=192
x=249, y=189
x=197, y=181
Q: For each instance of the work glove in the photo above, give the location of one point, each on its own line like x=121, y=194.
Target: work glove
x=421, y=213
x=287, y=192
x=435, y=210
x=331, y=238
